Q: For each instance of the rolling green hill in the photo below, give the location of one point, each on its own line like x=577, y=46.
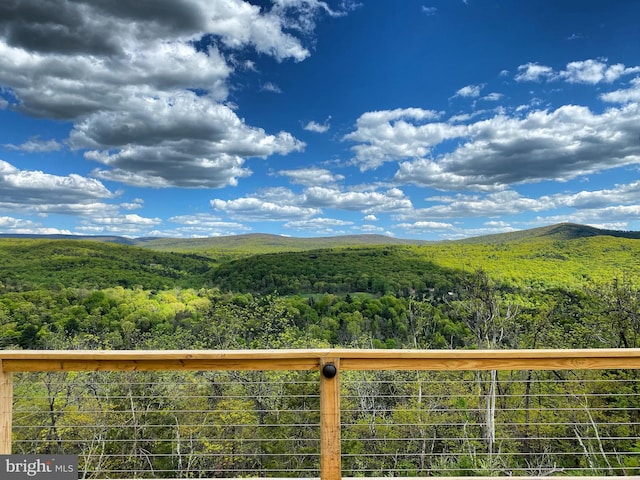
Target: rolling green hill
x=552, y=256
x=564, y=254
x=548, y=260
x=370, y=269
x=224, y=249
x=30, y=263
x=560, y=231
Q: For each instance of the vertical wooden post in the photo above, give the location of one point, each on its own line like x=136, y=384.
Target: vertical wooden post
x=330, y=460
x=6, y=410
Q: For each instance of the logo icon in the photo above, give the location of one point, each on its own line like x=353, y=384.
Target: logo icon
x=39, y=467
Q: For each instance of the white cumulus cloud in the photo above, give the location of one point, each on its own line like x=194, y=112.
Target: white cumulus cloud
x=469, y=91
x=314, y=126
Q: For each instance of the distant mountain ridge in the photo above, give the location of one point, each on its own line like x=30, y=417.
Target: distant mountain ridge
x=58, y=236
x=274, y=242
x=563, y=231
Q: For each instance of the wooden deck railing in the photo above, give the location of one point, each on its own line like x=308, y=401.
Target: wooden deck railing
x=330, y=362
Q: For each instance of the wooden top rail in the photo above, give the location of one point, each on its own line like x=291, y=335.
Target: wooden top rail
x=349, y=359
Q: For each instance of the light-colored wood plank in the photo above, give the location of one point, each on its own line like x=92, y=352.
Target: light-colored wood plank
x=106, y=364
x=549, y=363
x=330, y=456
x=38, y=360
x=164, y=354
x=188, y=355
x=6, y=410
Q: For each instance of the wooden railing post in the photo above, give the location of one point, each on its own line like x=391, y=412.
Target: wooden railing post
x=6, y=408
x=330, y=461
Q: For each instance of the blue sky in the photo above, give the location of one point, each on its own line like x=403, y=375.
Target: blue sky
x=414, y=119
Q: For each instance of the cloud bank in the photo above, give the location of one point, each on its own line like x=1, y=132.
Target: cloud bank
x=145, y=82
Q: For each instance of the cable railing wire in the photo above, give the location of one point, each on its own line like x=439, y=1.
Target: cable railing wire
x=187, y=425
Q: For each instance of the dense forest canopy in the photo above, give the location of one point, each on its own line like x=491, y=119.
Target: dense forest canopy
x=565, y=285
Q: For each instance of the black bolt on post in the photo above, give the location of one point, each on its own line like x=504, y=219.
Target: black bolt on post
x=329, y=370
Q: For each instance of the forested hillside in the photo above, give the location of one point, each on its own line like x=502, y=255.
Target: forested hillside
x=376, y=270
x=561, y=282
x=29, y=264
x=532, y=262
